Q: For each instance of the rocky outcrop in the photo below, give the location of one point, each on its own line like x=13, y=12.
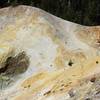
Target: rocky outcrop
x=47, y=57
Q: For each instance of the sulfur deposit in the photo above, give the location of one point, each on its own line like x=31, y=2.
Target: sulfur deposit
x=43, y=57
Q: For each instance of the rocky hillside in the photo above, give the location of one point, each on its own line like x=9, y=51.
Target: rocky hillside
x=43, y=57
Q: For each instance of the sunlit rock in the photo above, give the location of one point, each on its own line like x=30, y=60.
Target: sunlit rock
x=43, y=57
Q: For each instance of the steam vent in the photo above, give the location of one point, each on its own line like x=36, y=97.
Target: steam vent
x=43, y=57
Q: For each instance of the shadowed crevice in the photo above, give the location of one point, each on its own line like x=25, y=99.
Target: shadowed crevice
x=13, y=67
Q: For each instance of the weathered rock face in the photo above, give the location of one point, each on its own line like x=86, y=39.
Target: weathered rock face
x=43, y=57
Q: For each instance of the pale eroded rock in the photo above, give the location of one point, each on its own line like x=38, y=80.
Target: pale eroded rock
x=63, y=56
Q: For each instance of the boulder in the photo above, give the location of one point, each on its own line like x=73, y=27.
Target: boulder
x=62, y=57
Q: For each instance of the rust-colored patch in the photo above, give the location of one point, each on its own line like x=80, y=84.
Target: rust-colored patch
x=90, y=36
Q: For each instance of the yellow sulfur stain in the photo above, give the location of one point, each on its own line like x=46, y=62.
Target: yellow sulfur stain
x=71, y=77
x=6, y=50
